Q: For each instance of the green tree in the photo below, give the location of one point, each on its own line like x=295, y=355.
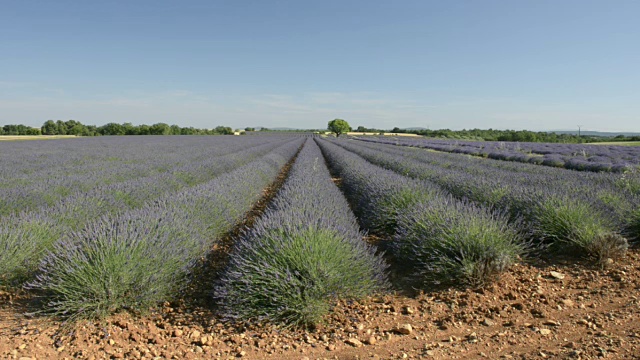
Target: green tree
x=112, y=129
x=130, y=129
x=338, y=126
x=188, y=131
x=160, y=129
x=18, y=129
x=62, y=127
x=224, y=130
x=144, y=129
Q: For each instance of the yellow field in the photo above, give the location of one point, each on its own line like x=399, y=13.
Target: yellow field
x=621, y=143
x=33, y=137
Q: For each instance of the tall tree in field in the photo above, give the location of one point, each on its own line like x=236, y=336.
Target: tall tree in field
x=338, y=126
x=49, y=128
x=224, y=130
x=160, y=129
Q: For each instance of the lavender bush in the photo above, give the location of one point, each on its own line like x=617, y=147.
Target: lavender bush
x=608, y=158
x=563, y=220
x=130, y=262
x=95, y=166
x=455, y=242
x=542, y=202
x=470, y=242
x=73, y=212
x=302, y=254
x=143, y=256
x=22, y=245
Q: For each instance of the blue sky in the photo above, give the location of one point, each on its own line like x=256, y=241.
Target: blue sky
x=536, y=64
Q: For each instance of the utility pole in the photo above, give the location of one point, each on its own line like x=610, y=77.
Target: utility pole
x=579, y=128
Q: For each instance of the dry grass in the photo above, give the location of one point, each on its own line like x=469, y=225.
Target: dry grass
x=620, y=143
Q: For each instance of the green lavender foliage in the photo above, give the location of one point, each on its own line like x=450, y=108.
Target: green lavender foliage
x=23, y=241
x=447, y=241
x=573, y=224
x=302, y=255
x=137, y=259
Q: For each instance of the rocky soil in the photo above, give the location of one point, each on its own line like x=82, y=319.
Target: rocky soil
x=560, y=309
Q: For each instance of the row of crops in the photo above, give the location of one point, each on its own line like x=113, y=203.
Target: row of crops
x=131, y=238
x=607, y=158
x=593, y=213
x=36, y=174
x=29, y=230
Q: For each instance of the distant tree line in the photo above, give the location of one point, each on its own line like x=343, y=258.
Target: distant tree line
x=18, y=130
x=72, y=127
x=504, y=135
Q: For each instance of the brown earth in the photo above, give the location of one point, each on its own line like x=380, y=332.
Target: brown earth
x=559, y=310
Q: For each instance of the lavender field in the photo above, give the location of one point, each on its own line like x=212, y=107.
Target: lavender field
x=100, y=225
x=584, y=157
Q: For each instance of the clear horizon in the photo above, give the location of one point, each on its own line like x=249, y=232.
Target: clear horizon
x=535, y=65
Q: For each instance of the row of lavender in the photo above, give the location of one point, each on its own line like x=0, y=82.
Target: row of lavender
x=434, y=237
x=144, y=256
x=617, y=185
x=37, y=174
x=607, y=158
x=591, y=213
x=107, y=158
x=301, y=255
x=25, y=236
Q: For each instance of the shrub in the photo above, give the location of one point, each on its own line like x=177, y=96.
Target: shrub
x=291, y=277
x=385, y=210
x=554, y=205
x=117, y=263
x=633, y=224
x=23, y=241
x=564, y=221
x=455, y=242
x=435, y=236
x=538, y=160
x=577, y=164
x=301, y=255
x=553, y=161
x=142, y=257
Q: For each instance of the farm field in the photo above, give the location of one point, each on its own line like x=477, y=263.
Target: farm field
x=601, y=157
x=296, y=246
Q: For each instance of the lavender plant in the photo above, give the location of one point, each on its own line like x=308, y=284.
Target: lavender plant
x=633, y=227
x=76, y=210
x=302, y=255
x=141, y=257
x=567, y=221
x=607, y=158
x=377, y=195
x=543, y=203
x=130, y=262
x=94, y=165
x=448, y=241
x=23, y=240
x=435, y=236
